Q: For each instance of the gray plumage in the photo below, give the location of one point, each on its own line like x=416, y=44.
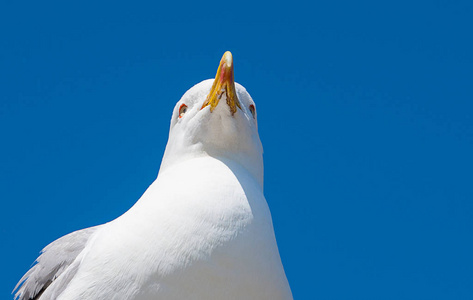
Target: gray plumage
x=56, y=261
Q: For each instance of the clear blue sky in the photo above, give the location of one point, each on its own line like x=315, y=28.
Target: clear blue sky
x=365, y=112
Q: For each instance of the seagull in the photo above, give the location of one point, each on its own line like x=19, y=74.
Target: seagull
x=202, y=230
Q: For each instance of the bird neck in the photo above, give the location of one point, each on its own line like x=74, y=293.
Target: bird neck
x=252, y=166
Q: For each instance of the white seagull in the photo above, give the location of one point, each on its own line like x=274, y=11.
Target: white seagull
x=202, y=230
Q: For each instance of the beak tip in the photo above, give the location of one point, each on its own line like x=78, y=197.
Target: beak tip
x=228, y=58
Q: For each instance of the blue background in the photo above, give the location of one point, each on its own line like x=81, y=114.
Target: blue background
x=365, y=113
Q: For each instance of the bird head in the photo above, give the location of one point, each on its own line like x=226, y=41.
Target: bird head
x=218, y=118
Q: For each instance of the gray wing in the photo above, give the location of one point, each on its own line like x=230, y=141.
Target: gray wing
x=55, y=258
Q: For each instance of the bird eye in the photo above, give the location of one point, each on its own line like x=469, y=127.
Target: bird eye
x=182, y=110
x=253, y=111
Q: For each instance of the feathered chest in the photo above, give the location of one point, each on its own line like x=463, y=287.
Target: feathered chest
x=212, y=230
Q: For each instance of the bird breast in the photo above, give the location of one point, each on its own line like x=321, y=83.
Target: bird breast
x=213, y=234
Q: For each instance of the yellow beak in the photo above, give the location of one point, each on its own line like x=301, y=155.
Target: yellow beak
x=224, y=84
